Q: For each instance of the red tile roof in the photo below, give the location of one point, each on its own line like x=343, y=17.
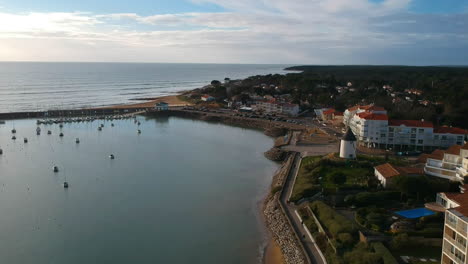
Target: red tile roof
x=410, y=123
x=372, y=108
x=371, y=116
x=387, y=170
x=354, y=108
x=329, y=111
x=461, y=199
x=454, y=150
x=450, y=130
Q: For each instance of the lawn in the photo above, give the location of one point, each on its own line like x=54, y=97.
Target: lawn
x=354, y=176
x=305, y=184
x=316, y=173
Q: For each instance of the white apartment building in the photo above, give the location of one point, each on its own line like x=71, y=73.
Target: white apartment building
x=279, y=108
x=455, y=206
x=451, y=164
x=373, y=128
x=350, y=112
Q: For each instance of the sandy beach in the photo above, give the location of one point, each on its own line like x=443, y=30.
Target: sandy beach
x=172, y=100
x=273, y=253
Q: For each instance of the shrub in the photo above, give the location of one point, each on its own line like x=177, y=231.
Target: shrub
x=385, y=254
x=400, y=241
x=331, y=220
x=362, y=254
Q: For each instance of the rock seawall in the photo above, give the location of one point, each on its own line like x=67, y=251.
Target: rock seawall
x=277, y=222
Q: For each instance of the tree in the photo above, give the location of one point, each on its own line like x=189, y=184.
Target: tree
x=400, y=241
x=215, y=83
x=338, y=178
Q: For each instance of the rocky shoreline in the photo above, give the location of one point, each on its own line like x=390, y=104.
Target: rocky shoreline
x=277, y=222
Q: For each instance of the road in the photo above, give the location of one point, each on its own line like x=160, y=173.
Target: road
x=311, y=248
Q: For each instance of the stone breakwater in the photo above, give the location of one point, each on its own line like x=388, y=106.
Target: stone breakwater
x=278, y=224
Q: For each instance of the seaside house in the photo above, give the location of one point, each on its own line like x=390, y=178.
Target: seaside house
x=451, y=164
x=455, y=207
x=386, y=172
x=161, y=106
x=331, y=114
x=207, y=98
x=275, y=107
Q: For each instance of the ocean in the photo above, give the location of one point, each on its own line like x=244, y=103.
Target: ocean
x=38, y=86
x=182, y=191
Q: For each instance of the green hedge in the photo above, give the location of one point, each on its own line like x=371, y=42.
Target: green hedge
x=333, y=222
x=383, y=251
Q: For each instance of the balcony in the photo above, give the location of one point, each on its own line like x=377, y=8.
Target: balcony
x=454, y=242
x=457, y=255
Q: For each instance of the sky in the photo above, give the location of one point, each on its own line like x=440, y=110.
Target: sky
x=398, y=32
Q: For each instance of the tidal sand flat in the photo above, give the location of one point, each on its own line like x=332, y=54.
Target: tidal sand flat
x=182, y=191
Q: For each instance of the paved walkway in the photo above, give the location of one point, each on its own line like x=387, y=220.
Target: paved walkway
x=311, y=248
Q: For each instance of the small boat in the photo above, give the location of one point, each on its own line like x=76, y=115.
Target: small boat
x=2, y=122
x=102, y=125
x=138, y=123
x=99, y=128
x=77, y=140
x=49, y=132
x=65, y=185
x=13, y=137
x=111, y=156
x=25, y=140
x=1, y=151
x=112, y=124
x=61, y=125
x=61, y=135
x=13, y=131
x=55, y=168
x=139, y=131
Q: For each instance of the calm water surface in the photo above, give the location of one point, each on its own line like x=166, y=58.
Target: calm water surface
x=183, y=191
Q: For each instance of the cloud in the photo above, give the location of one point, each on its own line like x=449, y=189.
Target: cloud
x=249, y=31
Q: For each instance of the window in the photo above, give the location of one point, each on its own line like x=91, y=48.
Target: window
x=382, y=135
x=451, y=219
x=436, y=137
x=413, y=141
x=420, y=141
x=391, y=129
x=413, y=130
x=444, y=137
x=390, y=135
x=420, y=130
x=413, y=135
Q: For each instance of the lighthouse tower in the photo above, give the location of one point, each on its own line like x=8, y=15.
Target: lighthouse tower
x=348, y=145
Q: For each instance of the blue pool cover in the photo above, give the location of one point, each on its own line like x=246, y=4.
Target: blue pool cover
x=415, y=213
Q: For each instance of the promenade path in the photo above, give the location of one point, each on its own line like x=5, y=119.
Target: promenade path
x=311, y=248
